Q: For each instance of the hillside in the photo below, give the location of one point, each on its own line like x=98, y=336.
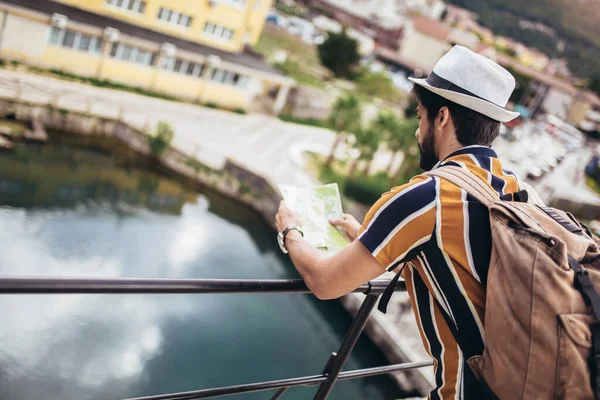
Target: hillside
x=577, y=22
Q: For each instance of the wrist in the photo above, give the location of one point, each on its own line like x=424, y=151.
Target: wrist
x=292, y=236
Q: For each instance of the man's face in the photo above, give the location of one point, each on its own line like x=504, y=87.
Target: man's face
x=425, y=136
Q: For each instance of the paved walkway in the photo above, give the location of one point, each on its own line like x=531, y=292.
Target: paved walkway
x=265, y=144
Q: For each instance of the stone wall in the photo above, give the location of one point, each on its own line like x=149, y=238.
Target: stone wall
x=234, y=180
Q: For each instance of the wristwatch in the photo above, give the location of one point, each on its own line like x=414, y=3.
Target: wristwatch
x=281, y=236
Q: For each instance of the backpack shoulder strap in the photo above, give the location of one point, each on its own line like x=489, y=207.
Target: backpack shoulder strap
x=467, y=181
x=534, y=197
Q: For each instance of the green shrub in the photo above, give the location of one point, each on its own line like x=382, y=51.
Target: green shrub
x=366, y=189
x=240, y=111
x=320, y=123
x=160, y=142
x=210, y=104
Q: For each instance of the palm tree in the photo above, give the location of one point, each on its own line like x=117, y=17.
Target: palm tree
x=367, y=143
x=401, y=137
x=388, y=124
x=404, y=141
x=345, y=117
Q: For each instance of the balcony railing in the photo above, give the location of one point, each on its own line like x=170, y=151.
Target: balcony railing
x=326, y=379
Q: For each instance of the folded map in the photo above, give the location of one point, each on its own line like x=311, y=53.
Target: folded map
x=317, y=205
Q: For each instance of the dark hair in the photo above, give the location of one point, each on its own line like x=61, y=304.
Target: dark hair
x=471, y=126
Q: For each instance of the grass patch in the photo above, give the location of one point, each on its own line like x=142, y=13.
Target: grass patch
x=592, y=184
x=302, y=62
x=359, y=188
x=320, y=123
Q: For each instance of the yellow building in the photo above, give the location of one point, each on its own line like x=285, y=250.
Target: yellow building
x=192, y=49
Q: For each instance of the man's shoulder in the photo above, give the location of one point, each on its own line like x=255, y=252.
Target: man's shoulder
x=420, y=189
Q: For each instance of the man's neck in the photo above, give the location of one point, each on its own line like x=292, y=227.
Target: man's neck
x=448, y=149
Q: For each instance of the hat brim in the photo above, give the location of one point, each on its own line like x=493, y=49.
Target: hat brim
x=486, y=108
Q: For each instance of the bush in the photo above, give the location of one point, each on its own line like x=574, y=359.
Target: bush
x=339, y=53
x=210, y=104
x=367, y=190
x=376, y=84
x=160, y=142
x=362, y=189
x=240, y=111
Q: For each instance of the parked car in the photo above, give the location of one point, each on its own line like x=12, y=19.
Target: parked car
x=534, y=173
x=552, y=162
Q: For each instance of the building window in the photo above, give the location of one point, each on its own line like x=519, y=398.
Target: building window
x=131, y=54
x=218, y=31
x=75, y=40
x=174, y=17
x=233, y=3
x=181, y=66
x=229, y=78
x=134, y=6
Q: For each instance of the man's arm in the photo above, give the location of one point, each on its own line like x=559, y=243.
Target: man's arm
x=397, y=225
x=330, y=277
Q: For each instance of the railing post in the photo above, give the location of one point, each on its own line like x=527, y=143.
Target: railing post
x=279, y=393
x=337, y=360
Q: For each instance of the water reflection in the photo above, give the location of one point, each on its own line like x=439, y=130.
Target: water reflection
x=112, y=346
x=60, y=177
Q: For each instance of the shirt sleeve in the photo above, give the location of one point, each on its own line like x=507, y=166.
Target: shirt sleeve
x=400, y=222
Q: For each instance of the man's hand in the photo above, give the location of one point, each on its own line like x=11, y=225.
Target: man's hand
x=349, y=223
x=286, y=217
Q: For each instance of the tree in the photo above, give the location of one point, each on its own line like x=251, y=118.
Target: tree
x=160, y=142
x=345, y=117
x=401, y=139
x=376, y=84
x=339, y=53
x=367, y=142
x=398, y=133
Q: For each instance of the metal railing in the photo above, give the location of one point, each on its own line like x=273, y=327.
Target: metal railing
x=330, y=374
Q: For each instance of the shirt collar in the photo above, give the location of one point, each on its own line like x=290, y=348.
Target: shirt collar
x=475, y=149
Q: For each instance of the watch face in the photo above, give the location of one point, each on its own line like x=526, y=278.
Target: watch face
x=280, y=242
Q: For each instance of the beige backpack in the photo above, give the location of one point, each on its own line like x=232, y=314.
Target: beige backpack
x=542, y=330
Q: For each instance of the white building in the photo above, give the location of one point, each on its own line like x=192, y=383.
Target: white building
x=424, y=42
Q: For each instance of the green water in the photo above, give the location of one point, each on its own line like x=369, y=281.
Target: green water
x=67, y=212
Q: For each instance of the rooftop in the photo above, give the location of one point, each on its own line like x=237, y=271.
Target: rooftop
x=247, y=58
x=431, y=27
x=388, y=14
x=547, y=79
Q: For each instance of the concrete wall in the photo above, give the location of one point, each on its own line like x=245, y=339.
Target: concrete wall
x=306, y=102
x=233, y=180
x=557, y=103
x=127, y=73
x=25, y=37
x=179, y=85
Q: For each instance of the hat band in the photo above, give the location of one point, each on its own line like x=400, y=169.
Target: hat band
x=437, y=81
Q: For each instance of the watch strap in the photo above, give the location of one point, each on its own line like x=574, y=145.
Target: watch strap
x=291, y=228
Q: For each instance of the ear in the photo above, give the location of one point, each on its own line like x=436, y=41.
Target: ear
x=443, y=118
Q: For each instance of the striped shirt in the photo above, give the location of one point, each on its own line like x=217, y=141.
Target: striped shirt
x=444, y=235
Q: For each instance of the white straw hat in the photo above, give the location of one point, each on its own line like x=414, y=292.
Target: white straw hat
x=473, y=81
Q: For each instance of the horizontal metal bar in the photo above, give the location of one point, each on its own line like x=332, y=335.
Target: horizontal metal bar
x=270, y=385
x=63, y=285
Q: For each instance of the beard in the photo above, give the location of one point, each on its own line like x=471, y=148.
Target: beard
x=427, y=152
